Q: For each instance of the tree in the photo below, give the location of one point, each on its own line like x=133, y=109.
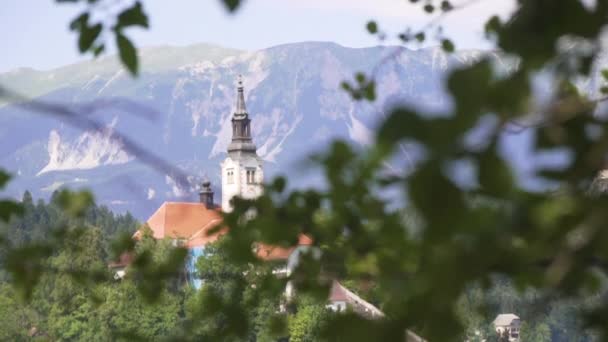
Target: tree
x=233, y=302
x=309, y=321
x=539, y=332
x=129, y=315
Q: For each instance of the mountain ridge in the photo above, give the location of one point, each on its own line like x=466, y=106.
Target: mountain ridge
x=181, y=111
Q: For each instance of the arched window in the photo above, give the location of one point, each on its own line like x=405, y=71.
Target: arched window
x=251, y=176
x=230, y=176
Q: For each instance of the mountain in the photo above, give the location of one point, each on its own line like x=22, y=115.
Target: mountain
x=179, y=109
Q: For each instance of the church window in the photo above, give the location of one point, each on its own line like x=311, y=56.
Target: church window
x=251, y=176
x=230, y=176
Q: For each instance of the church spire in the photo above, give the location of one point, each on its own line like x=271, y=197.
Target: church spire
x=240, y=98
x=241, y=125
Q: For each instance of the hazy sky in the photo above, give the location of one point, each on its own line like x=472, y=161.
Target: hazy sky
x=34, y=32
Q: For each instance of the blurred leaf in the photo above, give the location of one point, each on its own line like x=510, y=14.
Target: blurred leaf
x=494, y=174
x=232, y=5
x=98, y=50
x=88, y=35
x=372, y=27
x=74, y=204
x=127, y=52
x=401, y=124
x=8, y=209
x=133, y=16
x=447, y=45
x=446, y=6
x=4, y=178
x=79, y=22
x=493, y=25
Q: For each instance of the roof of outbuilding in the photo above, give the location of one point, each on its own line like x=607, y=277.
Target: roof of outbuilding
x=505, y=319
x=339, y=293
x=267, y=252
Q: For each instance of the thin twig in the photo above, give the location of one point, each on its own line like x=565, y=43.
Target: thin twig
x=84, y=122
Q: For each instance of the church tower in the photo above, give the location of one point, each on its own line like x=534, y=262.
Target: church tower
x=242, y=170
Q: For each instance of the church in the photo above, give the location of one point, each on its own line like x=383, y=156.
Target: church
x=242, y=174
x=188, y=223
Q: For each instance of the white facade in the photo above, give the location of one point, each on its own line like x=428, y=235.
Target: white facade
x=243, y=176
x=509, y=323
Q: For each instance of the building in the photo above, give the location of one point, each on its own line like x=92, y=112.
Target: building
x=189, y=224
x=242, y=174
x=342, y=299
x=508, y=323
x=242, y=170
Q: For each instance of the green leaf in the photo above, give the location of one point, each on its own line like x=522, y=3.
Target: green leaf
x=98, y=50
x=446, y=6
x=492, y=25
x=372, y=27
x=469, y=88
x=133, y=16
x=428, y=8
x=74, y=203
x=420, y=36
x=401, y=123
x=360, y=77
x=369, y=92
x=494, y=174
x=127, y=52
x=605, y=74
x=232, y=5
x=8, y=209
x=447, y=45
x=4, y=178
x=88, y=36
x=79, y=21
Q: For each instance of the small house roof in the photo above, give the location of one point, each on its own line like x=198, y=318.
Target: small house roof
x=505, y=319
x=339, y=293
x=267, y=252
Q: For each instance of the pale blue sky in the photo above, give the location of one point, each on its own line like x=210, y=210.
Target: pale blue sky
x=34, y=32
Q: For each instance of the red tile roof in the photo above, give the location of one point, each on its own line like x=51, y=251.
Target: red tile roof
x=191, y=223
x=183, y=220
x=338, y=293
x=267, y=252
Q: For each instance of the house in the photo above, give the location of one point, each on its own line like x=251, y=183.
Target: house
x=508, y=323
x=341, y=299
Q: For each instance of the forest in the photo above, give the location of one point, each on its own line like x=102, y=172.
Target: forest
x=65, y=307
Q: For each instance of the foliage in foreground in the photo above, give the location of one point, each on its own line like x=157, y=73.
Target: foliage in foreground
x=549, y=239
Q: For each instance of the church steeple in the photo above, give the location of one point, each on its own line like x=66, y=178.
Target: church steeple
x=243, y=169
x=241, y=125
